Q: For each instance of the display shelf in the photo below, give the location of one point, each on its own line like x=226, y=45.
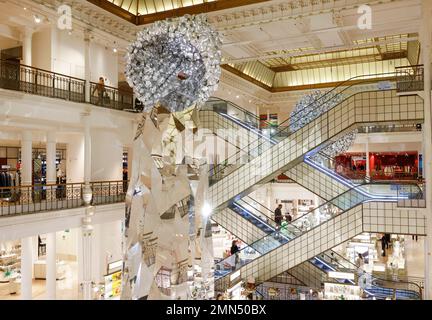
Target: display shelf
x=334, y=291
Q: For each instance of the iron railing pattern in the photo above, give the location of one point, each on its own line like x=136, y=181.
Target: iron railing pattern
x=37, y=198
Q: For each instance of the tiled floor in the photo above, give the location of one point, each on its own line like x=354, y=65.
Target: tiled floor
x=67, y=289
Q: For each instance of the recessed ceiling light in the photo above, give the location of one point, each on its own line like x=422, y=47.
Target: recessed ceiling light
x=37, y=19
x=115, y=50
x=25, y=8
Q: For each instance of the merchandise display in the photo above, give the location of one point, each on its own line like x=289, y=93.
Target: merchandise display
x=335, y=291
x=39, y=268
x=10, y=262
x=112, y=286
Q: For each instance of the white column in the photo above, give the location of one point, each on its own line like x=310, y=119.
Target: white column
x=85, y=262
x=87, y=158
x=87, y=71
x=26, y=268
x=426, y=43
x=51, y=269
x=367, y=178
x=27, y=46
x=26, y=158
x=51, y=158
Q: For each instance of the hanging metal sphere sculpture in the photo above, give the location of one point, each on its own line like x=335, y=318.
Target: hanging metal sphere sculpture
x=175, y=62
x=311, y=106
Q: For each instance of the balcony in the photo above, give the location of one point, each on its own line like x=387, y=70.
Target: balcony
x=410, y=78
x=19, y=77
x=37, y=198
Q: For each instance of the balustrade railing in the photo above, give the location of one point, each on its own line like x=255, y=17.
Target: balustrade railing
x=110, y=97
x=410, y=78
x=37, y=198
x=19, y=77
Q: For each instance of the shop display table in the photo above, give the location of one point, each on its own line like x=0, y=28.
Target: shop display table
x=40, y=270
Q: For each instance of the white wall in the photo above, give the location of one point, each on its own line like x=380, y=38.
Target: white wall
x=107, y=247
x=41, y=49
x=67, y=244
x=74, y=157
x=107, y=155
x=68, y=58
x=268, y=194
x=103, y=63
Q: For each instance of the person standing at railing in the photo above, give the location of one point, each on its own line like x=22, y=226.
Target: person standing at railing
x=100, y=88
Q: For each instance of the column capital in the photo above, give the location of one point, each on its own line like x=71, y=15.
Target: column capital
x=51, y=136
x=27, y=31
x=26, y=136
x=87, y=35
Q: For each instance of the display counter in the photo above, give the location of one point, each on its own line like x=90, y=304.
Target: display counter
x=40, y=269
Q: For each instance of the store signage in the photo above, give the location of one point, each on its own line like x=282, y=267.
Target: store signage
x=341, y=275
x=384, y=85
x=115, y=266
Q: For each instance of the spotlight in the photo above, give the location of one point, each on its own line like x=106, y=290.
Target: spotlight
x=115, y=50
x=206, y=210
x=37, y=19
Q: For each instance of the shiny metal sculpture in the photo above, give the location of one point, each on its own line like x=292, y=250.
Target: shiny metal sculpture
x=341, y=145
x=174, y=66
x=175, y=62
x=311, y=106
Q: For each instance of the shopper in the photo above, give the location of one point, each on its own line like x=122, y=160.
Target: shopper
x=383, y=245
x=234, y=252
x=278, y=215
x=234, y=247
x=387, y=239
x=288, y=217
x=359, y=263
x=100, y=88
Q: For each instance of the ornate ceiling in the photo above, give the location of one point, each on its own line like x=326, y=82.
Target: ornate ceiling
x=142, y=12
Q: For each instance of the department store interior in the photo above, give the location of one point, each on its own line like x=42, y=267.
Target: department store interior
x=215, y=150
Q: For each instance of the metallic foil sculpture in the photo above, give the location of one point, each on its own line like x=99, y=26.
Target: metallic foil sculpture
x=175, y=62
x=341, y=145
x=174, y=66
x=311, y=106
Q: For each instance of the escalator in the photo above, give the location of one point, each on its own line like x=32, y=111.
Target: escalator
x=332, y=261
x=355, y=110
x=324, y=227
x=263, y=162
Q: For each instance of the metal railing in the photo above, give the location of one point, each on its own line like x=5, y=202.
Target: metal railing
x=37, y=198
x=19, y=77
x=110, y=97
x=410, y=78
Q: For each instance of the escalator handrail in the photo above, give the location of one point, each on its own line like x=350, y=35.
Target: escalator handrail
x=239, y=108
x=315, y=101
x=306, y=214
x=342, y=84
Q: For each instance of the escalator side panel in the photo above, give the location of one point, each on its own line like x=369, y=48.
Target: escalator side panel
x=362, y=108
